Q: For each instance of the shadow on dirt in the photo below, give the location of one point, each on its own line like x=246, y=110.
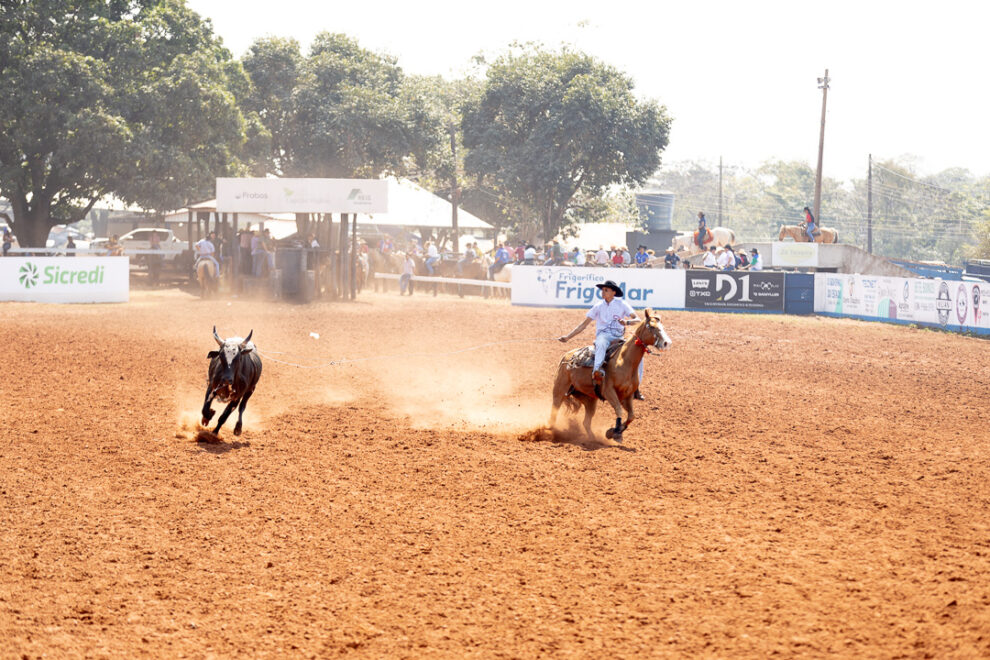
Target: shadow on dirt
x=572, y=435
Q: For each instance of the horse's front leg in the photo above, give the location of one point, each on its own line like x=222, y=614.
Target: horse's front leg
x=613, y=398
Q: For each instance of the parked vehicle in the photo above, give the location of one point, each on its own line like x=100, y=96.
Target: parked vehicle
x=58, y=237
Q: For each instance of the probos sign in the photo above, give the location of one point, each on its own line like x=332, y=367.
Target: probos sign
x=64, y=279
x=302, y=195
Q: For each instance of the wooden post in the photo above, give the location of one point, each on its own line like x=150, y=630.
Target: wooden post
x=235, y=246
x=353, y=259
x=342, y=261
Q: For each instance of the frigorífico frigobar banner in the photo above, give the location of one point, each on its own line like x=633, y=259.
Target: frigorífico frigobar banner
x=65, y=279
x=734, y=290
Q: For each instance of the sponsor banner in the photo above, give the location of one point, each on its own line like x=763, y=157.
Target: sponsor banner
x=786, y=254
x=743, y=291
x=65, y=279
x=561, y=286
x=949, y=304
x=302, y=195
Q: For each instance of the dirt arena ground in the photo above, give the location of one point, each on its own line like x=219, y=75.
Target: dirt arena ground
x=795, y=487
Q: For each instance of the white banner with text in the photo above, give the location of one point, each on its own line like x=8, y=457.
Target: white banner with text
x=787, y=254
x=302, y=195
x=562, y=286
x=954, y=305
x=65, y=279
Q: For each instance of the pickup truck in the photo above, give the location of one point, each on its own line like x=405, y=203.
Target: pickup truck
x=140, y=239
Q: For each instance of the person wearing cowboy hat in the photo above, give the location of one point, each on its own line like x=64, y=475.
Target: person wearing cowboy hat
x=611, y=314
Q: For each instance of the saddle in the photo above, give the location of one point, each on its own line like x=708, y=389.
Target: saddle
x=708, y=237
x=585, y=357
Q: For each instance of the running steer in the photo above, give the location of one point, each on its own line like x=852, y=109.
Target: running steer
x=234, y=372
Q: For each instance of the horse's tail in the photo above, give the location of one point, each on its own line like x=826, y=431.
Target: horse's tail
x=835, y=235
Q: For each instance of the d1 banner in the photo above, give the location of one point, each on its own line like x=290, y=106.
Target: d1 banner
x=744, y=291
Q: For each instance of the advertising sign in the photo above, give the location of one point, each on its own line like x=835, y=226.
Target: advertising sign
x=785, y=254
x=949, y=304
x=302, y=195
x=754, y=292
x=561, y=286
x=65, y=279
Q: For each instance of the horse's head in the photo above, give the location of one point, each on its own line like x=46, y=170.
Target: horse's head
x=650, y=331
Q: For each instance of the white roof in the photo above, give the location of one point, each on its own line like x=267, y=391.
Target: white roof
x=411, y=205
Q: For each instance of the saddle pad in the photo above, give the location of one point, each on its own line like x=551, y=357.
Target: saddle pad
x=586, y=356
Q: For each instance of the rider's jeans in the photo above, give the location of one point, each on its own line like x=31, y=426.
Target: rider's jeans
x=602, y=341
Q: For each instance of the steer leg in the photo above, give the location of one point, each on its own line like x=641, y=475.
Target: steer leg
x=240, y=412
x=207, y=410
x=224, y=415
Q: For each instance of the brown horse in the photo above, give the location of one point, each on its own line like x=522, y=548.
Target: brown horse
x=574, y=385
x=824, y=235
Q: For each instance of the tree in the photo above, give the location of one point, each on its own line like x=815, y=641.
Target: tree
x=128, y=97
x=273, y=66
x=551, y=124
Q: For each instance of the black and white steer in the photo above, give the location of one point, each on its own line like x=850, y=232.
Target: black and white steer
x=234, y=372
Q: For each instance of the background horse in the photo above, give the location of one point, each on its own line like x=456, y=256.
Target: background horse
x=685, y=240
x=206, y=277
x=574, y=385
x=825, y=234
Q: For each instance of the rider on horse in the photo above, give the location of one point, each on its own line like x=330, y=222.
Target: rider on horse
x=702, y=231
x=809, y=224
x=205, y=249
x=610, y=316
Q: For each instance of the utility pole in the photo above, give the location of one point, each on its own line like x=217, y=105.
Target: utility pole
x=455, y=192
x=720, y=223
x=869, y=207
x=822, y=85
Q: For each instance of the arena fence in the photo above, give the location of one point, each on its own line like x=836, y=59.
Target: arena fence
x=955, y=306
x=462, y=286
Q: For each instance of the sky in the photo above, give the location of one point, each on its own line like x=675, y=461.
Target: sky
x=739, y=78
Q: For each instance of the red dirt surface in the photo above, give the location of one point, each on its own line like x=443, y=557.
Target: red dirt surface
x=795, y=486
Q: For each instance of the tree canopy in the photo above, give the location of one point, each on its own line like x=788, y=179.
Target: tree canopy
x=549, y=125
x=126, y=97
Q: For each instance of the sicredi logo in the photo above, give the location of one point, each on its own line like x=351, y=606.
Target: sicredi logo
x=29, y=275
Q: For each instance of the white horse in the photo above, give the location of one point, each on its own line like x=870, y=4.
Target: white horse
x=685, y=240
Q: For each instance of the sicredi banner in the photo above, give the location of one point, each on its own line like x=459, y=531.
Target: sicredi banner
x=561, y=286
x=954, y=305
x=734, y=290
x=249, y=195
x=785, y=254
x=65, y=279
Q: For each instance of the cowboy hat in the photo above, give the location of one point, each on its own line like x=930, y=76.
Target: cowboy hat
x=611, y=285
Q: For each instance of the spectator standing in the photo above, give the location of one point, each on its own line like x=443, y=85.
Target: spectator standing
x=405, y=279
x=601, y=257
x=258, y=258
x=755, y=260
x=8, y=240
x=244, y=237
x=70, y=244
x=114, y=248
x=529, y=255
x=725, y=260
x=641, y=257
x=709, y=260
x=579, y=258
x=627, y=258
x=520, y=253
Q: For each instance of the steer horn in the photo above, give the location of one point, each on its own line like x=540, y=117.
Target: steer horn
x=246, y=340
x=217, y=337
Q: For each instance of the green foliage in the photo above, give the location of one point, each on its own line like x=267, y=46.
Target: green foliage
x=122, y=97
x=921, y=218
x=550, y=124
